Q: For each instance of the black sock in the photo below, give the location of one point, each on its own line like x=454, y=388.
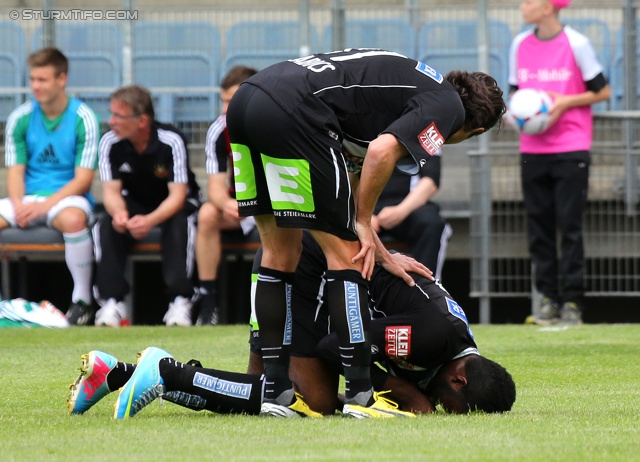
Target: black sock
x=349, y=310
x=209, y=286
x=120, y=375
x=273, y=310
x=216, y=391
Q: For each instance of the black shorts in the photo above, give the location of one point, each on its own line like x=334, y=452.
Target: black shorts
x=287, y=167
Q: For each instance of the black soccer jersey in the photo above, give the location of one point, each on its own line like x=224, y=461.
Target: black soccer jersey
x=145, y=176
x=414, y=330
x=417, y=329
x=358, y=94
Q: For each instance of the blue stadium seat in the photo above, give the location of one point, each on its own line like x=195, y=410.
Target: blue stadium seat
x=395, y=34
x=262, y=43
x=452, y=44
x=599, y=35
x=94, y=51
x=617, y=70
x=12, y=64
x=178, y=54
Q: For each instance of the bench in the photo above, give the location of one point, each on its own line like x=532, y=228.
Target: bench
x=45, y=244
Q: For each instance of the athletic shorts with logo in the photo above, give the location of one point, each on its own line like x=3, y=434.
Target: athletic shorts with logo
x=300, y=178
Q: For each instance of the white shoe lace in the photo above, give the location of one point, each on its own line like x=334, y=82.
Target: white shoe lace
x=147, y=397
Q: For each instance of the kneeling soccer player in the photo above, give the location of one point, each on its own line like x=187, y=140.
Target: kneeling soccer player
x=419, y=334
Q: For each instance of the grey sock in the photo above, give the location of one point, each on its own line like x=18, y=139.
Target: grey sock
x=364, y=398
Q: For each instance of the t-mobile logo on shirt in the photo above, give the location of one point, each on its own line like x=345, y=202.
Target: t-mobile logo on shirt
x=544, y=75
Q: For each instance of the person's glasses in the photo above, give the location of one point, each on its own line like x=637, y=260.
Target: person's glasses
x=124, y=117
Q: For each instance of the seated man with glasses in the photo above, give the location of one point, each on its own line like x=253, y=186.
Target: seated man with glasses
x=147, y=182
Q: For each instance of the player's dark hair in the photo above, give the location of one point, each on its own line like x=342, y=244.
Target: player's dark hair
x=490, y=388
x=137, y=98
x=49, y=56
x=236, y=76
x=481, y=97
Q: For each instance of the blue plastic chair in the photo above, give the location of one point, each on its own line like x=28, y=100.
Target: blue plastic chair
x=178, y=54
x=94, y=52
x=395, y=34
x=12, y=64
x=452, y=44
x=260, y=44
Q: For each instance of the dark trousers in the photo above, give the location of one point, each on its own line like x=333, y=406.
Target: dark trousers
x=177, y=248
x=555, y=197
x=426, y=232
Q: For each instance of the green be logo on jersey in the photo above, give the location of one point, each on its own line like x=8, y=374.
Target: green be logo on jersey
x=243, y=173
x=289, y=182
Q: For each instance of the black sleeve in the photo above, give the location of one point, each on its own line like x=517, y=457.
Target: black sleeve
x=597, y=83
x=222, y=151
x=431, y=169
x=429, y=120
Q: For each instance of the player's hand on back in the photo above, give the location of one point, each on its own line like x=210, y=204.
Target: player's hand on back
x=400, y=265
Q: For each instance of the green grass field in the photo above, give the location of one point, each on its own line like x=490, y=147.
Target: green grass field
x=578, y=400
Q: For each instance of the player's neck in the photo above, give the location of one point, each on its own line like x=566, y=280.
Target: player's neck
x=141, y=140
x=55, y=107
x=549, y=28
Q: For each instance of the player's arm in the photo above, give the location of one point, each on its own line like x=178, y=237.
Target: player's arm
x=400, y=265
x=16, y=157
x=140, y=225
x=217, y=152
x=406, y=394
x=381, y=158
x=15, y=184
x=171, y=205
x=79, y=185
x=396, y=263
x=112, y=197
x=219, y=194
x=420, y=193
x=563, y=102
x=391, y=216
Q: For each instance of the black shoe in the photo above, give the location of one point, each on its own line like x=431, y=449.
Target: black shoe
x=571, y=313
x=209, y=314
x=208, y=317
x=548, y=313
x=80, y=314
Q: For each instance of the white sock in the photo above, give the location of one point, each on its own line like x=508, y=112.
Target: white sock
x=78, y=252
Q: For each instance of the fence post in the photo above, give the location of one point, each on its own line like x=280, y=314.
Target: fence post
x=630, y=101
x=305, y=42
x=49, y=24
x=338, y=36
x=485, y=171
x=127, y=45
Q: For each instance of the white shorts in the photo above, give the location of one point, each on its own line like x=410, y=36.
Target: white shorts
x=80, y=202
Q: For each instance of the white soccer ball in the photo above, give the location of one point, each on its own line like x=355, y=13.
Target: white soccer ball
x=528, y=111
